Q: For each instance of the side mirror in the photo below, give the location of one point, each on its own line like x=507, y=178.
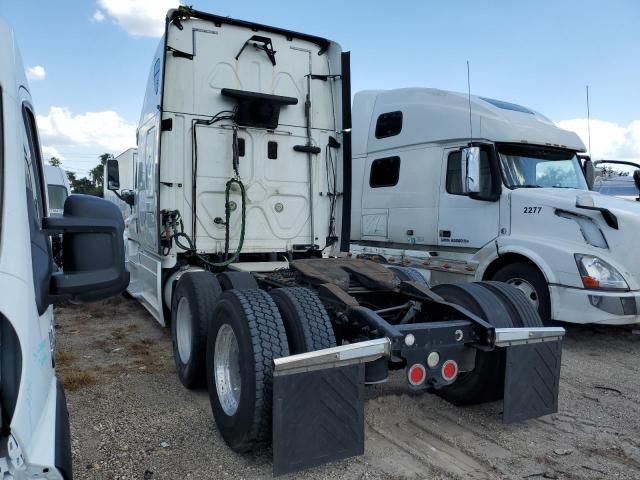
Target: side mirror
x=92, y=250
x=470, y=170
x=636, y=179
x=113, y=175
x=589, y=173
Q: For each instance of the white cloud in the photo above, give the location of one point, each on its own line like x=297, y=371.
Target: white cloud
x=608, y=140
x=36, y=73
x=98, y=16
x=106, y=130
x=48, y=152
x=140, y=18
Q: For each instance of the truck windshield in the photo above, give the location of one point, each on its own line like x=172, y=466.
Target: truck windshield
x=525, y=166
x=57, y=197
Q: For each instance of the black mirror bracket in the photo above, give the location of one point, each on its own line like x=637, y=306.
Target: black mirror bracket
x=93, y=251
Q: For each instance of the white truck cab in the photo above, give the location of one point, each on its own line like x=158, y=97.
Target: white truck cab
x=58, y=188
x=34, y=426
x=471, y=188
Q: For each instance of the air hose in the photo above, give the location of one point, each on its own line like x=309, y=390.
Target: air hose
x=191, y=247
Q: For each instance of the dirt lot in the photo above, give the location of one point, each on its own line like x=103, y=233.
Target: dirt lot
x=130, y=417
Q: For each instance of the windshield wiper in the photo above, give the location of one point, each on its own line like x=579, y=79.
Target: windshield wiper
x=526, y=186
x=560, y=186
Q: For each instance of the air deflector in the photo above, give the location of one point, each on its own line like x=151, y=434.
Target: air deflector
x=256, y=109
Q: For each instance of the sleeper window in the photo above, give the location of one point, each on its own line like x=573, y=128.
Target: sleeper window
x=389, y=124
x=454, y=176
x=385, y=172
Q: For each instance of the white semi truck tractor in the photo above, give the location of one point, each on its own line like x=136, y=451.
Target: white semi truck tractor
x=471, y=189
x=238, y=241
x=35, y=440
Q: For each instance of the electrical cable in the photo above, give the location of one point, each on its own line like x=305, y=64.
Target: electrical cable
x=191, y=248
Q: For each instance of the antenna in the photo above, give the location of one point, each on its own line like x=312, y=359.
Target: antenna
x=469, y=92
x=588, y=121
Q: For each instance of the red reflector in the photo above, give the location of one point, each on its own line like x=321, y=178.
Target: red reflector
x=449, y=370
x=417, y=374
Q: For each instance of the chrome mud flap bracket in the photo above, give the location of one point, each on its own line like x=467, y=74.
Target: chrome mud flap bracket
x=532, y=373
x=318, y=405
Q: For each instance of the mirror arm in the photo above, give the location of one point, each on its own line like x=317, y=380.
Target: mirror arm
x=54, y=225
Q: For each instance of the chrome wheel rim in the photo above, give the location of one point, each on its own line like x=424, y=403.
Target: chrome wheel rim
x=183, y=330
x=226, y=363
x=527, y=288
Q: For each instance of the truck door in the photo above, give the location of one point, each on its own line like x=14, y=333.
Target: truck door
x=146, y=201
x=468, y=221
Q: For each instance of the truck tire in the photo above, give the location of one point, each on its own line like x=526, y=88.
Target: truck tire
x=409, y=274
x=486, y=382
x=237, y=280
x=305, y=319
x=245, y=336
x=191, y=312
x=528, y=279
x=523, y=313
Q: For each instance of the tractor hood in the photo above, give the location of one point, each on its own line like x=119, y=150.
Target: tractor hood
x=604, y=226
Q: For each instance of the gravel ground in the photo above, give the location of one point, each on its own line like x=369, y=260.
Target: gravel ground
x=132, y=419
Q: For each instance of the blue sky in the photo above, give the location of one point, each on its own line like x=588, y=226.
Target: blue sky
x=537, y=53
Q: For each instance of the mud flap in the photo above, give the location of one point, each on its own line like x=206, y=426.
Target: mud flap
x=318, y=417
x=532, y=378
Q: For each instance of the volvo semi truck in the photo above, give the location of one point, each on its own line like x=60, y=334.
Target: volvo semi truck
x=468, y=188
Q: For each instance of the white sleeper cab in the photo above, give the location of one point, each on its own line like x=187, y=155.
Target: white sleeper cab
x=468, y=188
x=238, y=239
x=34, y=425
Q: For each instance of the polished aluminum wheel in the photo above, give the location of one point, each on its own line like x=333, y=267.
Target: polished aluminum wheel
x=184, y=329
x=527, y=288
x=227, y=369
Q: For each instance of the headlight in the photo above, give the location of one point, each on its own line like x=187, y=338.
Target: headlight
x=598, y=274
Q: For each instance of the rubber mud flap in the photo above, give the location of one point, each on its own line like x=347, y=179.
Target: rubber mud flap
x=318, y=417
x=532, y=380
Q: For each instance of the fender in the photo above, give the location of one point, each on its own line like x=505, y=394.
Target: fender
x=543, y=255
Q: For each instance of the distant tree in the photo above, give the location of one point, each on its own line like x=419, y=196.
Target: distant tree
x=55, y=161
x=104, y=157
x=94, y=184
x=608, y=171
x=97, y=176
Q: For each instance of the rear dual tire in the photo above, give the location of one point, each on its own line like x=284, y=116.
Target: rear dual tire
x=501, y=305
x=245, y=336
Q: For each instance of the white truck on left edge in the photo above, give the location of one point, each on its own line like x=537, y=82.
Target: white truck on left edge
x=34, y=424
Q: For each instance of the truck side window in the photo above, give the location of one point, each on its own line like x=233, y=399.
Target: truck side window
x=385, y=172
x=36, y=209
x=454, y=179
x=33, y=170
x=389, y=124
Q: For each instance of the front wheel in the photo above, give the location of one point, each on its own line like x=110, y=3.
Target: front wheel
x=245, y=336
x=531, y=282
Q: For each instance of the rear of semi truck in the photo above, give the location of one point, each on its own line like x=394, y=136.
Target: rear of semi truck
x=238, y=240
